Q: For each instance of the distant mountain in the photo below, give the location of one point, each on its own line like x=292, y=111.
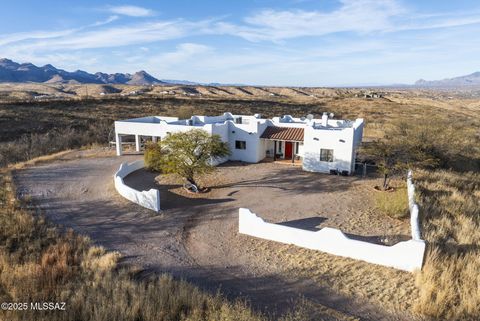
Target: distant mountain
x=180, y=82
x=11, y=71
x=462, y=81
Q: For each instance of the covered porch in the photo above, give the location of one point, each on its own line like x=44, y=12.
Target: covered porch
x=284, y=144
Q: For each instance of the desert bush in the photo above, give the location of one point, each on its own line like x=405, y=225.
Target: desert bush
x=152, y=156
x=29, y=146
x=427, y=142
x=185, y=112
x=393, y=203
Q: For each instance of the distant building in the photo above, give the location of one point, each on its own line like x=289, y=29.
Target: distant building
x=373, y=95
x=321, y=145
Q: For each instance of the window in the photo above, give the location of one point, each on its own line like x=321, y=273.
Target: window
x=238, y=120
x=326, y=155
x=240, y=144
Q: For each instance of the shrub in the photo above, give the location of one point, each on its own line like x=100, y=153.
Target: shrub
x=152, y=156
x=33, y=145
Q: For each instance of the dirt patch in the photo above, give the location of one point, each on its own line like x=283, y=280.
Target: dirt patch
x=195, y=236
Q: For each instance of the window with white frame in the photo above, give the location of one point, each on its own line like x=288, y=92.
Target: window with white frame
x=240, y=144
x=326, y=155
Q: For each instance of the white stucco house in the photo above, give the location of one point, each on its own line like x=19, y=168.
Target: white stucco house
x=320, y=145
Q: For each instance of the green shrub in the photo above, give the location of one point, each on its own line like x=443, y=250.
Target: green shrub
x=152, y=156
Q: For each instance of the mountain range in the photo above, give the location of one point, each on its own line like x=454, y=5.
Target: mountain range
x=11, y=71
x=471, y=80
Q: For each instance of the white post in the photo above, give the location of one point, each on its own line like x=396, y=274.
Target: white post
x=414, y=224
x=137, y=143
x=118, y=144
x=154, y=139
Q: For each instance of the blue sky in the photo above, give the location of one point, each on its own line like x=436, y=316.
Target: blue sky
x=262, y=42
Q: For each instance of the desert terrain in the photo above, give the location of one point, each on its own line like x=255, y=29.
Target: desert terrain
x=196, y=237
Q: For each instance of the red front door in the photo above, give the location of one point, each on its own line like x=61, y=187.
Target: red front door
x=288, y=150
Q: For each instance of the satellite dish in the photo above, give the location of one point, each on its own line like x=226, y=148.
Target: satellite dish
x=309, y=116
x=331, y=115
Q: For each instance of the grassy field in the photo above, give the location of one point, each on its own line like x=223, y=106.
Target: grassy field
x=449, y=199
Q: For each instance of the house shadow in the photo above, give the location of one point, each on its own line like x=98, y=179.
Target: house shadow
x=144, y=180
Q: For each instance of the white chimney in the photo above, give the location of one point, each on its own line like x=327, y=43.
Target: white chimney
x=325, y=119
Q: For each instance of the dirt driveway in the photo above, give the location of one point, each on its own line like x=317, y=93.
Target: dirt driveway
x=196, y=237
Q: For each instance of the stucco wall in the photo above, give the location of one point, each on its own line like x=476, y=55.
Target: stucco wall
x=250, y=133
x=406, y=256
x=341, y=141
x=148, y=199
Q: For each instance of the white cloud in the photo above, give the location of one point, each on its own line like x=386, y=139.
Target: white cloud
x=104, y=22
x=182, y=53
x=357, y=16
x=353, y=15
x=34, y=35
x=112, y=37
x=132, y=11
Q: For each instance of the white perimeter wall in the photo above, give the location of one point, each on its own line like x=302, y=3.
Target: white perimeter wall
x=407, y=255
x=148, y=199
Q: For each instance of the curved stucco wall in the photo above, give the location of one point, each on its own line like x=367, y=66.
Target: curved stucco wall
x=149, y=199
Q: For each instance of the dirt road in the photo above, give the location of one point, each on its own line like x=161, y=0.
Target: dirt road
x=196, y=238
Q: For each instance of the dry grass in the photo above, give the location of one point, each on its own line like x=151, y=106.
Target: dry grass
x=449, y=282
x=393, y=203
x=392, y=289
x=38, y=264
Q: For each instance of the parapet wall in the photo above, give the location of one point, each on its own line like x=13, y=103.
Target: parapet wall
x=148, y=199
x=407, y=255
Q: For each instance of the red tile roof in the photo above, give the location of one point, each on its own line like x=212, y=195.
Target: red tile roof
x=283, y=133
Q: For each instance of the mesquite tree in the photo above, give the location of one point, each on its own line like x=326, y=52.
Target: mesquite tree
x=405, y=144
x=187, y=154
